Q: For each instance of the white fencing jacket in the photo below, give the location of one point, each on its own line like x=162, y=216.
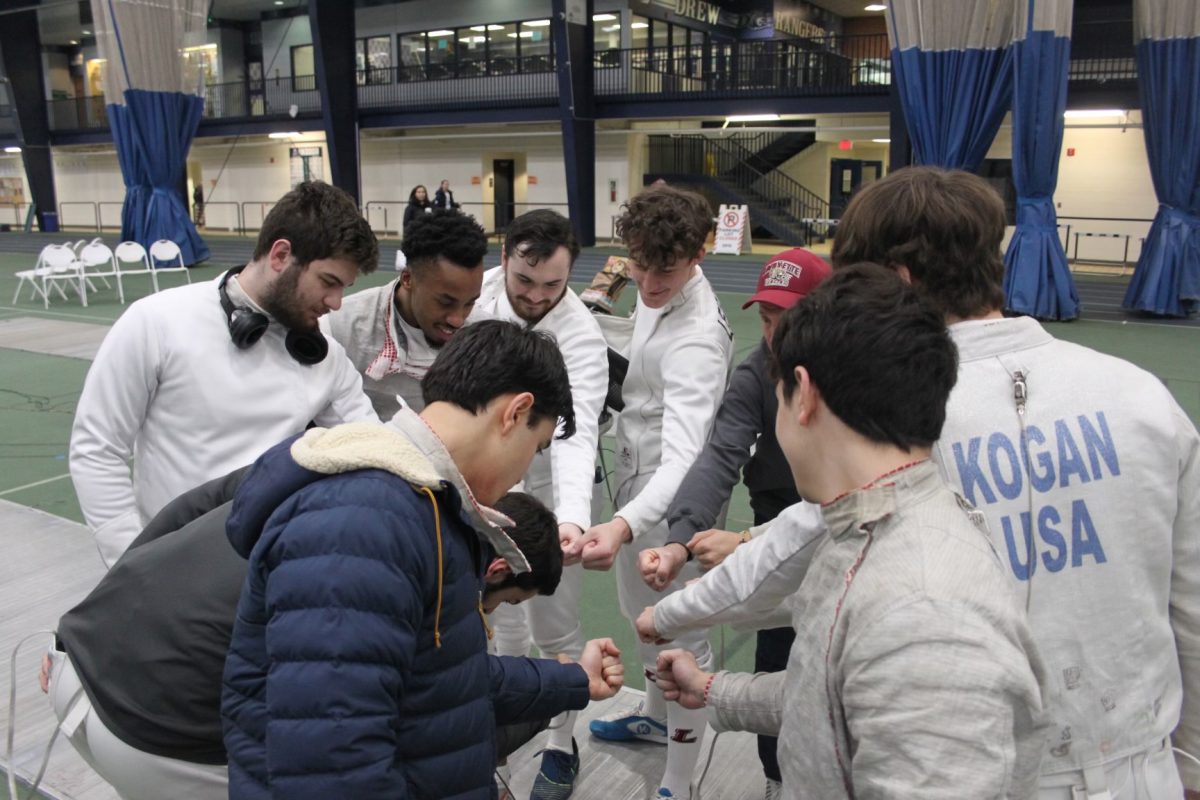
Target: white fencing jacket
x=169, y=389
x=569, y=467
x=748, y=588
x=679, y=362
x=1089, y=474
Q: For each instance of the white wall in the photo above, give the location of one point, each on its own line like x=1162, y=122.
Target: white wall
x=1107, y=177
x=279, y=35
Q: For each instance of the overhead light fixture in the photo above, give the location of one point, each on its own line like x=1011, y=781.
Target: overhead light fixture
x=287, y=135
x=752, y=118
x=495, y=27
x=72, y=41
x=639, y=25
x=278, y=2
x=1086, y=113
x=441, y=33
x=86, y=33
x=603, y=17
x=882, y=141
x=538, y=23
x=12, y=149
x=611, y=28
x=875, y=7
x=479, y=27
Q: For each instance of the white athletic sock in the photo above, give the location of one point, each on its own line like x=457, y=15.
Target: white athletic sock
x=655, y=705
x=685, y=731
x=562, y=728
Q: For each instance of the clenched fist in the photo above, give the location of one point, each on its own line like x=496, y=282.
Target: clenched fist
x=601, y=660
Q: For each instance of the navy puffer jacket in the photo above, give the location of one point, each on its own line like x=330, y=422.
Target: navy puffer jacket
x=335, y=686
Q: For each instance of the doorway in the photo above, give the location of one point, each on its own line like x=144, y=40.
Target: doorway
x=845, y=176
x=503, y=192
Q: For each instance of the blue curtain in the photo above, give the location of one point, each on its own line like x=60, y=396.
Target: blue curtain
x=153, y=132
x=953, y=101
x=1166, y=280
x=1037, y=280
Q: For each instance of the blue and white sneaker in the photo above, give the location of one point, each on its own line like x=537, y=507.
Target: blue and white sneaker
x=627, y=726
x=556, y=779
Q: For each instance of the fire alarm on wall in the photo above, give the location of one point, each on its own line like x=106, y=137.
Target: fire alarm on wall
x=1070, y=151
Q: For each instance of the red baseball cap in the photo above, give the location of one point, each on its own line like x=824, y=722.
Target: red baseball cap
x=788, y=277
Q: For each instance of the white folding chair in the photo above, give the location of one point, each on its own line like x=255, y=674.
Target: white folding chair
x=164, y=250
x=132, y=253
x=64, y=268
x=99, y=262
x=34, y=277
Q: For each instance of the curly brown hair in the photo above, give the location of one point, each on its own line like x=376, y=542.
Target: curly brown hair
x=662, y=225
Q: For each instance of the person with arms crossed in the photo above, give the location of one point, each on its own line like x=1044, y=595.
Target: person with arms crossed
x=914, y=672
x=530, y=288
x=196, y=381
x=679, y=360
x=393, y=333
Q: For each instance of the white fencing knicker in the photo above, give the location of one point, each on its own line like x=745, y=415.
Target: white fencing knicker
x=135, y=774
x=1149, y=775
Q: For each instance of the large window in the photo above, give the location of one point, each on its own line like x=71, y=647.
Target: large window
x=534, y=41
x=373, y=60
x=412, y=57
x=487, y=49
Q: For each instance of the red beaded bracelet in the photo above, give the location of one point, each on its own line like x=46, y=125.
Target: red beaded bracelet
x=708, y=687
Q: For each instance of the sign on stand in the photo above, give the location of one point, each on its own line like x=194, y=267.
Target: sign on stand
x=733, y=230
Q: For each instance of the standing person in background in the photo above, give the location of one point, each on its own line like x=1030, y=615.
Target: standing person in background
x=196, y=381
x=444, y=198
x=418, y=205
x=679, y=358
x=743, y=435
x=530, y=288
x=393, y=333
x=198, y=204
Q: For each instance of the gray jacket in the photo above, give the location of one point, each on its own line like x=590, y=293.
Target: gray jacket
x=914, y=673
x=743, y=435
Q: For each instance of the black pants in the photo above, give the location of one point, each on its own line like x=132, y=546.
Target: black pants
x=510, y=738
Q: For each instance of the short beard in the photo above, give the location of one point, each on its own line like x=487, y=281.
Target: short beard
x=281, y=302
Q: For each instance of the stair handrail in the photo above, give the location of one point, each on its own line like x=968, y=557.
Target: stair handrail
x=790, y=186
x=784, y=198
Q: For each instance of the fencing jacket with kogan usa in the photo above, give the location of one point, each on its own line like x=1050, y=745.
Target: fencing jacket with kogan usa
x=1089, y=474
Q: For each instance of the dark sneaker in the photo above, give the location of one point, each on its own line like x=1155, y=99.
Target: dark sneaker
x=556, y=779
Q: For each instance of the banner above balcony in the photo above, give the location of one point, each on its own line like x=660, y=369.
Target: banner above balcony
x=1037, y=280
x=952, y=64
x=151, y=88
x=1166, y=34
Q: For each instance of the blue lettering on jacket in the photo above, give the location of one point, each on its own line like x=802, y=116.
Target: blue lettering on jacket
x=1082, y=451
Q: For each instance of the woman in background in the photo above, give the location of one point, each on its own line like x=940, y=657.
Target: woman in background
x=418, y=203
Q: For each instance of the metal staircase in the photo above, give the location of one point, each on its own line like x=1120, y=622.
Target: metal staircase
x=727, y=171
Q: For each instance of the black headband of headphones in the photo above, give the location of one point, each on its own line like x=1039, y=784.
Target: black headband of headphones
x=247, y=326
